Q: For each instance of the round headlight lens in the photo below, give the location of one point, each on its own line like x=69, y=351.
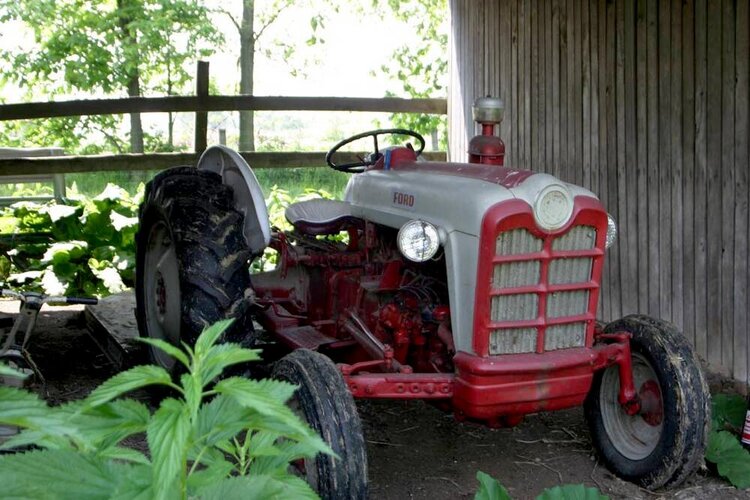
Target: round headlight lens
x=553, y=207
x=418, y=240
x=611, y=231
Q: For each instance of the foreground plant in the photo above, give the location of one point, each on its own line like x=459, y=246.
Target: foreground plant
x=491, y=489
x=231, y=438
x=724, y=448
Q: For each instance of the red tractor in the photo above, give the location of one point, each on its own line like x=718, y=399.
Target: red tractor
x=471, y=285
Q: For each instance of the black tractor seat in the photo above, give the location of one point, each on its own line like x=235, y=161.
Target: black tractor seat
x=320, y=216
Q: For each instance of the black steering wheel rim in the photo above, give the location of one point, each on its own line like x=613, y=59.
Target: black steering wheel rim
x=360, y=166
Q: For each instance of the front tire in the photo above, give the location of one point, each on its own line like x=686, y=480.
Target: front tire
x=664, y=443
x=326, y=404
x=191, y=260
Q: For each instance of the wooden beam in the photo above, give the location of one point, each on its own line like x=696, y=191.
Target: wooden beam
x=160, y=161
x=218, y=103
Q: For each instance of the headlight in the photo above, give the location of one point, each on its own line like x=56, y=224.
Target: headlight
x=611, y=231
x=553, y=207
x=418, y=240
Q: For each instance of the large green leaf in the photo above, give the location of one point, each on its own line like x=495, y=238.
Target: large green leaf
x=65, y=473
x=490, y=488
x=209, y=336
x=108, y=424
x=222, y=356
x=19, y=407
x=168, y=434
x=134, y=482
x=220, y=419
x=257, y=487
x=732, y=461
x=167, y=348
x=266, y=398
x=571, y=492
x=135, y=378
x=728, y=409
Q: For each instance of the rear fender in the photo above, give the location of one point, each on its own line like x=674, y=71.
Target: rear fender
x=248, y=196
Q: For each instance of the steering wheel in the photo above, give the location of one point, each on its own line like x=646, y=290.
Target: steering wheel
x=371, y=159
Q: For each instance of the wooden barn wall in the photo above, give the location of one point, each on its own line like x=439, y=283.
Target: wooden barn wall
x=646, y=104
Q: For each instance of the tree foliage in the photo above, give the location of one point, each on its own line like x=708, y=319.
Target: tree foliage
x=420, y=71
x=109, y=47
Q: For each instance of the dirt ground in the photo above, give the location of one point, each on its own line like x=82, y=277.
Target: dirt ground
x=414, y=450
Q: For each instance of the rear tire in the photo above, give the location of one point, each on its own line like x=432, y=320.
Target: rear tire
x=191, y=260
x=663, y=444
x=326, y=404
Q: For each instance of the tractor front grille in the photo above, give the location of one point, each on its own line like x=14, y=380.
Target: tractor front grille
x=541, y=290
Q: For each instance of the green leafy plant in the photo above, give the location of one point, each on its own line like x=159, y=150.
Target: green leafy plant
x=82, y=246
x=218, y=438
x=724, y=449
x=491, y=489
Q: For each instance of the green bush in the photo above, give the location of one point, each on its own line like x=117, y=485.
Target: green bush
x=219, y=438
x=83, y=246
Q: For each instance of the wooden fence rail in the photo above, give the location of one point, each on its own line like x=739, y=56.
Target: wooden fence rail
x=89, y=107
x=200, y=104
x=160, y=161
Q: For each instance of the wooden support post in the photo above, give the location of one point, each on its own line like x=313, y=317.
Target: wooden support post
x=201, y=117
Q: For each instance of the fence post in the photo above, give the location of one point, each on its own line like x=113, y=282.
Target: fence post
x=223, y=136
x=201, y=117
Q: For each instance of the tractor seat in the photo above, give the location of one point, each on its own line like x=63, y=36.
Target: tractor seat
x=320, y=216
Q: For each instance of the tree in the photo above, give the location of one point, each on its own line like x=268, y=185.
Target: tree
x=421, y=71
x=106, y=46
x=251, y=28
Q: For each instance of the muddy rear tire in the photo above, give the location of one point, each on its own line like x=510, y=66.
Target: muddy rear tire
x=326, y=404
x=191, y=260
x=664, y=443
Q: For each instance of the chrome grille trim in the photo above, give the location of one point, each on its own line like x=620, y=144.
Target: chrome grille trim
x=562, y=304
x=512, y=341
x=524, y=306
x=565, y=336
x=517, y=241
x=578, y=238
x=515, y=274
x=565, y=271
x=525, y=267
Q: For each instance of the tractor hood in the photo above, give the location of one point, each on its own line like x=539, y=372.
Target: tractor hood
x=452, y=196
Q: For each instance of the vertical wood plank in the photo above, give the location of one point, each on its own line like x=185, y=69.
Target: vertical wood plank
x=576, y=85
x=713, y=171
x=629, y=145
x=556, y=105
x=526, y=83
x=664, y=221
x=641, y=164
x=514, y=82
x=612, y=172
x=742, y=165
x=549, y=82
x=727, y=182
x=701, y=177
x=652, y=98
x=621, y=199
x=606, y=311
x=676, y=167
x=562, y=161
x=688, y=162
x=586, y=93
